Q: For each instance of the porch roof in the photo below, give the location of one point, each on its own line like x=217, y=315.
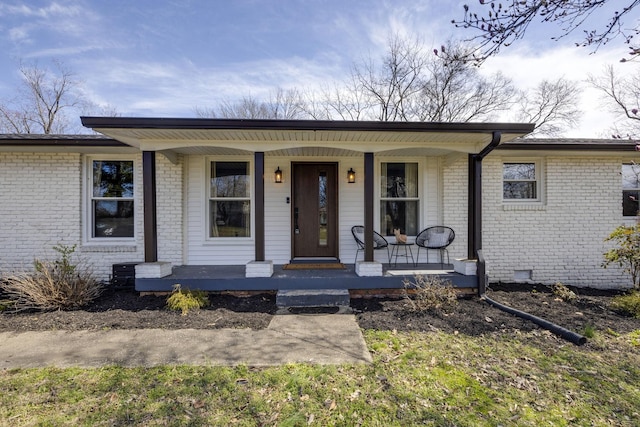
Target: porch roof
x=235, y=136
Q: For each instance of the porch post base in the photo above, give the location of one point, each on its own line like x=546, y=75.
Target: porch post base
x=153, y=270
x=468, y=267
x=369, y=269
x=258, y=269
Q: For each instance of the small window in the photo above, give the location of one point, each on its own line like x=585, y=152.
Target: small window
x=520, y=181
x=112, y=199
x=630, y=189
x=230, y=200
x=399, y=201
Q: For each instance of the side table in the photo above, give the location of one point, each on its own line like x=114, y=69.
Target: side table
x=395, y=251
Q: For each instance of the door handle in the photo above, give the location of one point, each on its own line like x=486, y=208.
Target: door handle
x=296, y=229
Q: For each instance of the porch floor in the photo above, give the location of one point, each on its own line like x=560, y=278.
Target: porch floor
x=232, y=278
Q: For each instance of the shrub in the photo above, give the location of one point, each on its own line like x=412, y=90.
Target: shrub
x=564, y=293
x=627, y=252
x=186, y=300
x=627, y=304
x=589, y=331
x=53, y=285
x=430, y=293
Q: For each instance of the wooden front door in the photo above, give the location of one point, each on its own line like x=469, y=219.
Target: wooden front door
x=315, y=210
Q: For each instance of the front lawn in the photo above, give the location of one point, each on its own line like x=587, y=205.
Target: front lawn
x=417, y=378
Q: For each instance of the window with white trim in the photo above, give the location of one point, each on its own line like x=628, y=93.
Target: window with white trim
x=630, y=189
x=111, y=206
x=521, y=181
x=229, y=199
x=399, y=201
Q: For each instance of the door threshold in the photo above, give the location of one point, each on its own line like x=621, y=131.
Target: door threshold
x=314, y=260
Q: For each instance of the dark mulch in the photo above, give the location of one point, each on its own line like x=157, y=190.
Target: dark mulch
x=473, y=316
x=122, y=309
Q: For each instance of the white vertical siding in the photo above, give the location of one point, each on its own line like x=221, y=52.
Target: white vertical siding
x=201, y=250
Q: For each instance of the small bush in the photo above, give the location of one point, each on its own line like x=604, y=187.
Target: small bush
x=186, y=300
x=626, y=254
x=628, y=304
x=430, y=293
x=564, y=293
x=53, y=285
x=589, y=331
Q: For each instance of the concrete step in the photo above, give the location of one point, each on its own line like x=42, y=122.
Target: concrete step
x=287, y=298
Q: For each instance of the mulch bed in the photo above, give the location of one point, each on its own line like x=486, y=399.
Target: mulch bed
x=124, y=309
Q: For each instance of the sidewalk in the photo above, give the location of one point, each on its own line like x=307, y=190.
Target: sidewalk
x=317, y=338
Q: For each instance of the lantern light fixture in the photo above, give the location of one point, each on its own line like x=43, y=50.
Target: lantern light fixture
x=351, y=176
x=278, y=175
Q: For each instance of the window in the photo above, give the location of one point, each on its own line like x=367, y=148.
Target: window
x=112, y=199
x=521, y=181
x=399, y=202
x=630, y=189
x=229, y=200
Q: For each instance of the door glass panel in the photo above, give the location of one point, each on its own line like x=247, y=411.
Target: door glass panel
x=322, y=209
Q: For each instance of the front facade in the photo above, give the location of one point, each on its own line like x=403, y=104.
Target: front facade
x=192, y=192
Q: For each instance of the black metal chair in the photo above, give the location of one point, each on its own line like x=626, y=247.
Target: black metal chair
x=435, y=238
x=379, y=242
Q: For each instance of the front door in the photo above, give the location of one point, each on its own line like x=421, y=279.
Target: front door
x=315, y=210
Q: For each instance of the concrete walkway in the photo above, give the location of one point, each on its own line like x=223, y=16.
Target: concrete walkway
x=316, y=338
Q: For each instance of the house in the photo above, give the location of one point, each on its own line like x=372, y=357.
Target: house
x=222, y=204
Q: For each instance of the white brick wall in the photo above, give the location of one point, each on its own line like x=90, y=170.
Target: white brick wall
x=41, y=196
x=38, y=206
x=169, y=202
x=41, y=205
x=561, y=239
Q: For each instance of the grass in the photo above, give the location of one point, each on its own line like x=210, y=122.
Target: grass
x=416, y=379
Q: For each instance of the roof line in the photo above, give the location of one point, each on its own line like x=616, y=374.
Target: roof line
x=34, y=140
x=516, y=146
x=300, y=125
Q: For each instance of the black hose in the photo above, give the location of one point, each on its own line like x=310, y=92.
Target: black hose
x=568, y=335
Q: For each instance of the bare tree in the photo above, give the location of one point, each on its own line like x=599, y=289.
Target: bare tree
x=501, y=25
x=623, y=96
x=409, y=84
x=343, y=101
x=454, y=91
x=43, y=99
x=282, y=104
x=391, y=85
x=552, y=106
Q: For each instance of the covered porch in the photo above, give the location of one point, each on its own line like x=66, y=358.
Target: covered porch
x=219, y=278
x=253, y=258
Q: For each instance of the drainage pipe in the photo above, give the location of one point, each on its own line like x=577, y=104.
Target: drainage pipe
x=568, y=335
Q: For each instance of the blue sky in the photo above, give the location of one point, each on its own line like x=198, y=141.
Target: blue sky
x=165, y=58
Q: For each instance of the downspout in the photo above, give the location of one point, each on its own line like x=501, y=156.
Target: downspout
x=475, y=245
x=475, y=204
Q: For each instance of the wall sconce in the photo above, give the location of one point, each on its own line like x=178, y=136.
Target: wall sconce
x=278, y=175
x=351, y=176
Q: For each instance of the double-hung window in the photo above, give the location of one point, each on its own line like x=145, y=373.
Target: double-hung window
x=521, y=181
x=111, y=199
x=399, y=201
x=229, y=199
x=630, y=189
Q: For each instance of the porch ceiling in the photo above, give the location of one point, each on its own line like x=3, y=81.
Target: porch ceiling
x=302, y=137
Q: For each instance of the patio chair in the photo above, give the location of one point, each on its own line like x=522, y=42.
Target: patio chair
x=435, y=238
x=379, y=242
